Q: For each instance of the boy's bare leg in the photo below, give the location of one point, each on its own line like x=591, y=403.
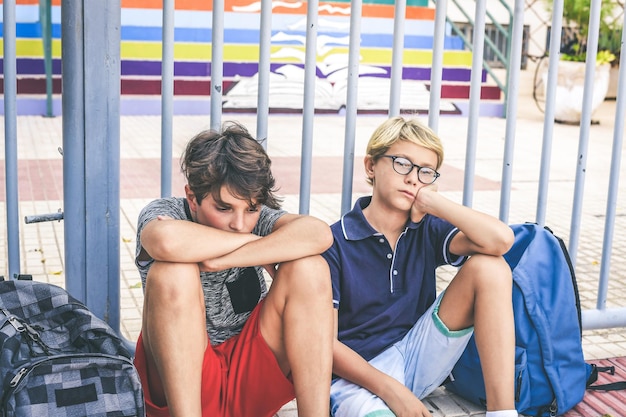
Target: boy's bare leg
x=174, y=336
x=297, y=323
x=481, y=294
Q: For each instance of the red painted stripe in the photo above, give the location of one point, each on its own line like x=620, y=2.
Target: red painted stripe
x=452, y=91
x=42, y=179
x=33, y=85
x=128, y=86
x=368, y=10
x=181, y=87
x=32, y=2
x=158, y=4
x=203, y=88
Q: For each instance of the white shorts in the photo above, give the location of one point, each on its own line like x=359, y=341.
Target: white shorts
x=422, y=360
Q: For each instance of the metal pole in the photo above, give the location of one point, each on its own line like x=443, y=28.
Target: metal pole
x=102, y=19
x=167, y=97
x=351, y=104
x=474, y=101
x=436, y=71
x=73, y=106
x=10, y=137
x=611, y=205
x=308, y=108
x=45, y=11
x=548, y=121
x=396, y=58
x=263, y=100
x=91, y=161
x=515, y=62
x=217, y=63
x=585, y=124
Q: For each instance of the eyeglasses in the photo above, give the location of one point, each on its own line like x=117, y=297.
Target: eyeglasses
x=403, y=166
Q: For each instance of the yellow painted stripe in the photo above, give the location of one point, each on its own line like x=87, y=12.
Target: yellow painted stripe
x=33, y=48
x=194, y=51
x=250, y=53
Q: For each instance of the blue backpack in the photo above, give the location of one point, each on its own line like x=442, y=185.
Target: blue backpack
x=551, y=373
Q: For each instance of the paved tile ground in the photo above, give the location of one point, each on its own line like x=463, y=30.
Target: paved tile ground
x=40, y=192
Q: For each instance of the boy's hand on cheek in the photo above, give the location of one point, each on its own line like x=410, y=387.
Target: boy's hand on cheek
x=422, y=201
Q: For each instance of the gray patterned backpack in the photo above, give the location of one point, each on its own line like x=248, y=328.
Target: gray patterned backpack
x=59, y=359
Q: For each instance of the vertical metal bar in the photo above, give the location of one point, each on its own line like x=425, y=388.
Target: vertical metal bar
x=396, y=57
x=474, y=101
x=585, y=124
x=10, y=136
x=45, y=11
x=217, y=63
x=102, y=22
x=356, y=9
x=436, y=71
x=167, y=97
x=308, y=107
x=73, y=147
x=515, y=62
x=263, y=99
x=548, y=121
x=508, y=35
x=616, y=158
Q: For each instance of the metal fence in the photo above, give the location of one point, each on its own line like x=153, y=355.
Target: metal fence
x=91, y=97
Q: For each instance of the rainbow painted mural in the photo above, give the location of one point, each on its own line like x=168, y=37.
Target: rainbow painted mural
x=141, y=57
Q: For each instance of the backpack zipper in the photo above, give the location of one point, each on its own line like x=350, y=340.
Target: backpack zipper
x=22, y=326
x=19, y=376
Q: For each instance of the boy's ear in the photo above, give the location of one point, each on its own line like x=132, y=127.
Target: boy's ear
x=191, y=199
x=369, y=166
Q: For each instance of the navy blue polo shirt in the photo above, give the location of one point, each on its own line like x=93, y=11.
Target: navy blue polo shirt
x=381, y=293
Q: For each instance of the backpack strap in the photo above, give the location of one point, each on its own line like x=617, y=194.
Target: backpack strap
x=612, y=386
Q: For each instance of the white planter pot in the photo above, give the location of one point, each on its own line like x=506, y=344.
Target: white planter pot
x=611, y=94
x=570, y=90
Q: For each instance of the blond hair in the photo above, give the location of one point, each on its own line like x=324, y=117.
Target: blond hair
x=400, y=128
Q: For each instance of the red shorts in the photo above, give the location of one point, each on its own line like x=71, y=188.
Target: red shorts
x=240, y=377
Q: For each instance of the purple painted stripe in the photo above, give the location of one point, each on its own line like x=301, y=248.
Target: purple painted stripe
x=35, y=66
x=487, y=108
x=248, y=69
x=152, y=106
x=34, y=106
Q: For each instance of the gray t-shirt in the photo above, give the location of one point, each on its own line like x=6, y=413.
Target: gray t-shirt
x=229, y=295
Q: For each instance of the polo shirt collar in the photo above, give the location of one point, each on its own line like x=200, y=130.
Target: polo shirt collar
x=355, y=226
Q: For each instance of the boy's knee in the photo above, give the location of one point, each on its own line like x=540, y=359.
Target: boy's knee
x=175, y=282
x=310, y=273
x=490, y=270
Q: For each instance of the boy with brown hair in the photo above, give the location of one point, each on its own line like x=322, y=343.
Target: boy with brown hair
x=214, y=341
x=398, y=341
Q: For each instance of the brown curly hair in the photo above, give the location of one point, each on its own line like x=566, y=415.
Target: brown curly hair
x=231, y=157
